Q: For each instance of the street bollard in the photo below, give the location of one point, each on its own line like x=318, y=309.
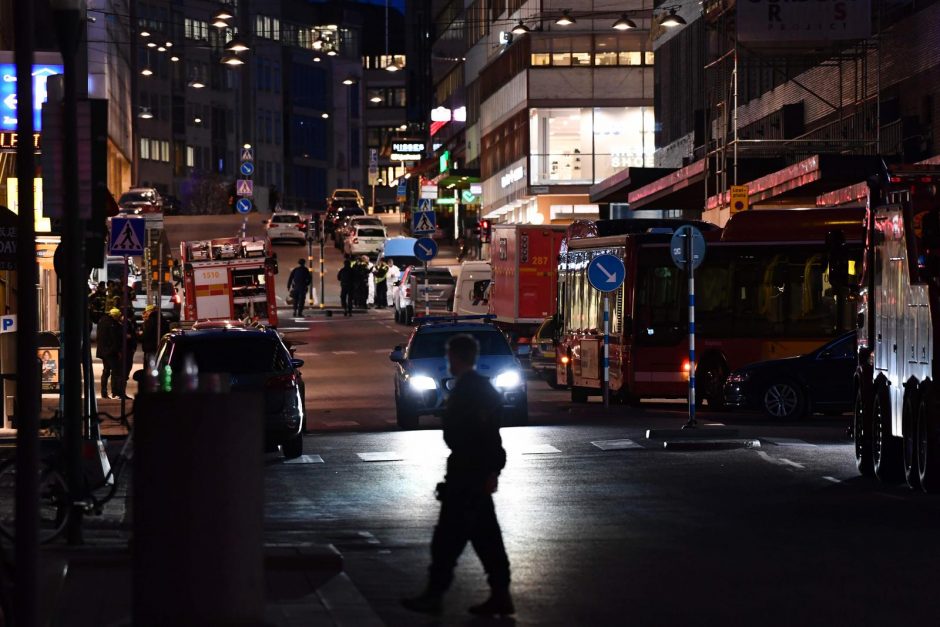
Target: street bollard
x=198, y=509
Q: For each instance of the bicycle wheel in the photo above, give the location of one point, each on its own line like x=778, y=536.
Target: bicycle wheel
x=54, y=508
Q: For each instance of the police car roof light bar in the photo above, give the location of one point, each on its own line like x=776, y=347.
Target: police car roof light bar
x=430, y=319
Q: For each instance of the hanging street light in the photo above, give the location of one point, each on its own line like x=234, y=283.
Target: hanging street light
x=672, y=20
x=520, y=29
x=565, y=19
x=624, y=23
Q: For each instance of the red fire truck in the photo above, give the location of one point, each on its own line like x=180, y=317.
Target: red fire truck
x=897, y=409
x=522, y=294
x=762, y=292
x=229, y=278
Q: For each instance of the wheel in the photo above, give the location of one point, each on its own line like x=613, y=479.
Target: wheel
x=928, y=441
x=294, y=447
x=406, y=418
x=710, y=380
x=54, y=510
x=885, y=448
x=579, y=395
x=861, y=431
x=409, y=315
x=909, y=436
x=784, y=399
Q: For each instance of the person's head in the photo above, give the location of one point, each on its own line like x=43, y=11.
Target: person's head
x=364, y=258
x=301, y=262
x=46, y=355
x=102, y=286
x=462, y=351
x=115, y=313
x=148, y=311
x=346, y=262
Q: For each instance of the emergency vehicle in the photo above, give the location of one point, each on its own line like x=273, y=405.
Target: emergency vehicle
x=897, y=400
x=523, y=291
x=229, y=278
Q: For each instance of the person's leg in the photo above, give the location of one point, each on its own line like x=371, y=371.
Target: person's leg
x=105, y=375
x=451, y=535
x=487, y=540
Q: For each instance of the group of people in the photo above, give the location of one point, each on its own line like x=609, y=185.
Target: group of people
x=364, y=284
x=118, y=337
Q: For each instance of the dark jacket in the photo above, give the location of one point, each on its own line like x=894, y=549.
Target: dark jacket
x=346, y=276
x=471, y=430
x=109, y=337
x=148, y=333
x=299, y=279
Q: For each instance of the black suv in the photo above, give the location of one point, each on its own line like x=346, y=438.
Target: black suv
x=256, y=360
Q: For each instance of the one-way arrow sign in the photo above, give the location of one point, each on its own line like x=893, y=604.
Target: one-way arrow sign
x=606, y=273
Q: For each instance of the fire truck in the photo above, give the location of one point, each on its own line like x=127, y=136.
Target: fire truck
x=229, y=278
x=896, y=423
x=523, y=292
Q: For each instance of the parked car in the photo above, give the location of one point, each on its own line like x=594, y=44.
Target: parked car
x=170, y=301
x=172, y=205
x=353, y=221
x=113, y=270
x=334, y=216
x=287, y=226
x=139, y=200
x=256, y=360
x=365, y=240
x=820, y=381
x=343, y=194
x=422, y=381
x=542, y=353
x=412, y=293
x=470, y=292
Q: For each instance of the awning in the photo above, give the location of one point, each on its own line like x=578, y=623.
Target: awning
x=802, y=182
x=682, y=188
x=459, y=179
x=615, y=188
x=857, y=192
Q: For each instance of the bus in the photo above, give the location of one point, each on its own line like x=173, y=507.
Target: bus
x=762, y=292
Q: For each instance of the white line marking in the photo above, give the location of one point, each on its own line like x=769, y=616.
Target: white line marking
x=305, y=459
x=382, y=350
x=787, y=442
x=382, y=456
x=832, y=479
x=342, y=423
x=789, y=462
x=293, y=328
x=535, y=449
x=615, y=445
x=767, y=458
x=344, y=352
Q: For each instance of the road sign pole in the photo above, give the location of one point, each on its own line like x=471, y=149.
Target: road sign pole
x=322, y=261
x=427, y=304
x=691, y=268
x=120, y=374
x=605, y=386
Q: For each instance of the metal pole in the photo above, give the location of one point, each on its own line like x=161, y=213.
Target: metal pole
x=159, y=291
x=690, y=266
x=322, y=261
x=26, y=547
x=605, y=386
x=427, y=305
x=310, y=287
x=123, y=342
x=69, y=28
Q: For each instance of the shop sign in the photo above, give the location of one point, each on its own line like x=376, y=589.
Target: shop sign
x=476, y=189
x=444, y=161
x=41, y=74
x=8, y=324
x=429, y=191
x=824, y=21
x=9, y=140
x=512, y=176
x=468, y=197
x=7, y=238
x=407, y=147
x=405, y=156
x=539, y=189
x=43, y=224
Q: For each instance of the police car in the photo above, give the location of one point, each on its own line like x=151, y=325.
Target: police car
x=422, y=379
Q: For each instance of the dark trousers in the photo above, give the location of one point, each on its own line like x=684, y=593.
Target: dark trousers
x=299, y=297
x=467, y=517
x=362, y=294
x=346, y=298
x=114, y=370
x=381, y=294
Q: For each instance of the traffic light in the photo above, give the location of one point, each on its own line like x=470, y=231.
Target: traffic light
x=485, y=231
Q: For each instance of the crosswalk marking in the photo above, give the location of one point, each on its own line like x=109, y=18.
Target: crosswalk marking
x=381, y=456
x=787, y=442
x=344, y=352
x=341, y=423
x=536, y=449
x=615, y=445
x=305, y=459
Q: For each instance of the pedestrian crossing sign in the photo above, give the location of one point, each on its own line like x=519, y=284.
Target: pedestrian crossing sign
x=244, y=187
x=423, y=222
x=127, y=237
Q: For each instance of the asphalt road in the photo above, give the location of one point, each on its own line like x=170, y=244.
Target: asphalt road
x=603, y=526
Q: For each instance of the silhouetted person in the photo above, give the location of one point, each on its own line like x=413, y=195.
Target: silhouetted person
x=347, y=286
x=148, y=334
x=381, y=284
x=109, y=352
x=471, y=431
x=297, y=284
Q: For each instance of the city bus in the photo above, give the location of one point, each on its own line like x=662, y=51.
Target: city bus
x=762, y=292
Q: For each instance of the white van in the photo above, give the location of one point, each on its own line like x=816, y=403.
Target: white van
x=113, y=270
x=470, y=297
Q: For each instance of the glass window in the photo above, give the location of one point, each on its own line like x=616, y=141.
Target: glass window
x=650, y=57
x=631, y=58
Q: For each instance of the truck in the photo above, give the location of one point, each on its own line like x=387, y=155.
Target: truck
x=523, y=291
x=229, y=278
x=896, y=422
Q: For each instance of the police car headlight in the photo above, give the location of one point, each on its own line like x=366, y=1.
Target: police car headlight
x=422, y=383
x=507, y=379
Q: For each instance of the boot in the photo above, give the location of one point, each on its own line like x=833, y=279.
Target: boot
x=426, y=603
x=499, y=604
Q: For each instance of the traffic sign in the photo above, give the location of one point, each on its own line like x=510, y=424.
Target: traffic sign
x=425, y=249
x=244, y=187
x=247, y=168
x=423, y=222
x=739, y=198
x=243, y=205
x=606, y=272
x=425, y=205
x=402, y=192
x=248, y=154
x=127, y=237
x=467, y=196
x=677, y=246
x=373, y=157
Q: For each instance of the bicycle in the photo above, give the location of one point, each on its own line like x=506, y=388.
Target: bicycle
x=55, y=506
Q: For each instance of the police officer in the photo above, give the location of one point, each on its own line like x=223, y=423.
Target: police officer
x=471, y=431
x=347, y=283
x=381, y=284
x=297, y=284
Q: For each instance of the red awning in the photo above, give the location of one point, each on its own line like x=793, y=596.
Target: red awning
x=856, y=192
x=616, y=188
x=682, y=188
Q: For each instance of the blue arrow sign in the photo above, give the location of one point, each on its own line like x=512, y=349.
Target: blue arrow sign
x=425, y=249
x=423, y=222
x=247, y=168
x=677, y=246
x=127, y=237
x=243, y=205
x=606, y=273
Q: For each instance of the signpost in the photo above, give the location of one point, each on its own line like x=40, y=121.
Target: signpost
x=426, y=250
x=738, y=198
x=243, y=205
x=373, y=173
x=687, y=249
x=605, y=274
x=245, y=187
x=424, y=220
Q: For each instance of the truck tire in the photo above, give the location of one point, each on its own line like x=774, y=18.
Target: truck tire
x=909, y=439
x=885, y=449
x=293, y=448
x=579, y=395
x=861, y=432
x=710, y=378
x=928, y=441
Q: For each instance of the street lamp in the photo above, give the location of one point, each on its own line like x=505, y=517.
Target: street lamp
x=624, y=23
x=672, y=19
x=145, y=113
x=565, y=19
x=196, y=84
x=520, y=29
x=233, y=60
x=236, y=45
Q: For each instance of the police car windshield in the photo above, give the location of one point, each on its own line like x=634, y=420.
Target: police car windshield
x=434, y=344
x=232, y=352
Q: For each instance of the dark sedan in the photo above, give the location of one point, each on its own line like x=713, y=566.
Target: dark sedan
x=820, y=381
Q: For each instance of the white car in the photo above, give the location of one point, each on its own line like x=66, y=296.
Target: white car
x=353, y=221
x=348, y=194
x=169, y=300
x=367, y=239
x=287, y=226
